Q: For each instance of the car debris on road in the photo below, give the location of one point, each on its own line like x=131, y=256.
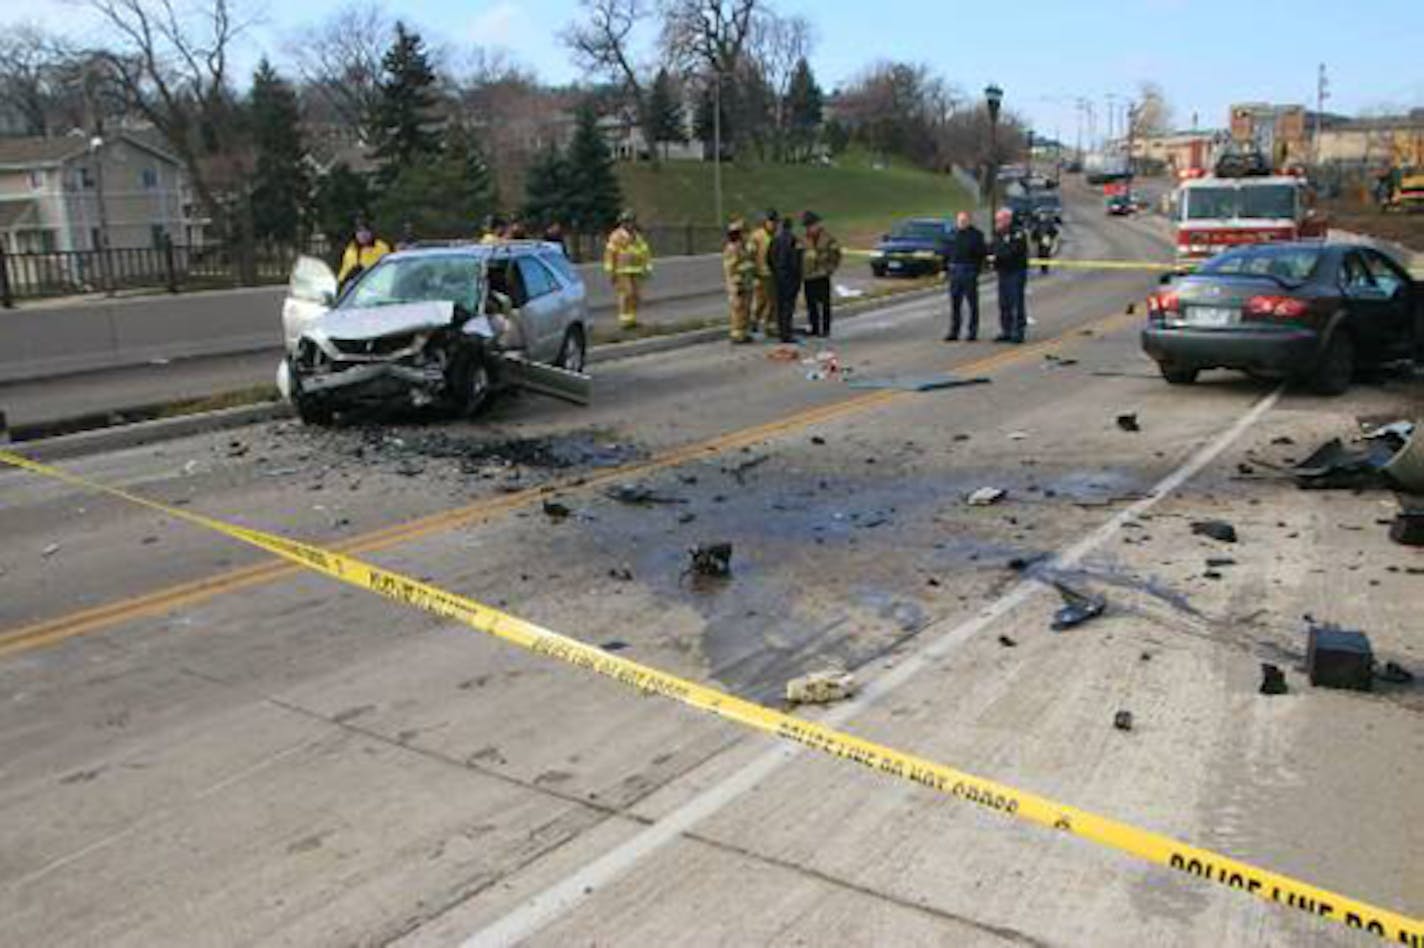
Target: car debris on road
x=1078, y=607
x=1218, y=530
x=986, y=496
x=1273, y=680
x=821, y=687
x=1338, y=658
x=713, y=560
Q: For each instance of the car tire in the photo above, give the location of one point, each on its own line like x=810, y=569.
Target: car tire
x=573, y=351
x=1177, y=375
x=1336, y=367
x=474, y=385
x=310, y=409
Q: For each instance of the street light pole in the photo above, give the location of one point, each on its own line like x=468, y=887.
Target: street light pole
x=717, y=146
x=993, y=95
x=96, y=156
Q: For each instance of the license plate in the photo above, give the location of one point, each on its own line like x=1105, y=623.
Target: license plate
x=1211, y=316
x=895, y=264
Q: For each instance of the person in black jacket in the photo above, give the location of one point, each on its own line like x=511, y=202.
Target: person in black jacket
x=1010, y=254
x=784, y=257
x=964, y=263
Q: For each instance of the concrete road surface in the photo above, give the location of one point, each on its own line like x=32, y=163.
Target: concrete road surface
x=200, y=745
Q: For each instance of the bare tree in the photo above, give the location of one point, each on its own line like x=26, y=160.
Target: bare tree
x=707, y=34
x=1152, y=115
x=173, y=69
x=602, y=45
x=35, y=79
x=341, y=60
x=776, y=44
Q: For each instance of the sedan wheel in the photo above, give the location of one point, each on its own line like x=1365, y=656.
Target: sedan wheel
x=476, y=387
x=1176, y=375
x=573, y=354
x=1336, y=367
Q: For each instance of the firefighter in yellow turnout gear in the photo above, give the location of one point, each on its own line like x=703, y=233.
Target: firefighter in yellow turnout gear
x=628, y=261
x=764, y=299
x=739, y=266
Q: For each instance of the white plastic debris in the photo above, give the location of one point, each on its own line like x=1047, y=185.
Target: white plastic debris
x=847, y=293
x=985, y=496
x=822, y=687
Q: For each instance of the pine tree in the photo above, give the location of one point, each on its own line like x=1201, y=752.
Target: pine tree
x=594, y=195
x=702, y=120
x=440, y=196
x=665, y=115
x=281, y=188
x=405, y=111
x=547, y=188
x=341, y=196
x=805, y=105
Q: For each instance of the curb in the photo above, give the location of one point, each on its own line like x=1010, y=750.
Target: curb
x=137, y=434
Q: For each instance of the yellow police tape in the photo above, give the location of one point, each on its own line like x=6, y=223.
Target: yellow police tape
x=1151, y=265
x=988, y=794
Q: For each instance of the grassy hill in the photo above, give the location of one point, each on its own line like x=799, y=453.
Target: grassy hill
x=857, y=200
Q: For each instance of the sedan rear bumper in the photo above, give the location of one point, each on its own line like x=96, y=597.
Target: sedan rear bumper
x=1283, y=351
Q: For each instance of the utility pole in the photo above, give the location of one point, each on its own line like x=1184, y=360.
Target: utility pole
x=993, y=95
x=717, y=147
x=1322, y=87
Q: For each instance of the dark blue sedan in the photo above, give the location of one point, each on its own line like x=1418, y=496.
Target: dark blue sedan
x=915, y=247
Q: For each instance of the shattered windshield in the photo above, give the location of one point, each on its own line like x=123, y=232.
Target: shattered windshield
x=453, y=277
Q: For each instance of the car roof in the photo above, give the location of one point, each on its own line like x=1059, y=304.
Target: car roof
x=442, y=248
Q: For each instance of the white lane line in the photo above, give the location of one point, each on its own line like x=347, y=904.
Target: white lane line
x=540, y=910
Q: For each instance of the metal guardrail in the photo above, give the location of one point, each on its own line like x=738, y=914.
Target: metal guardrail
x=176, y=267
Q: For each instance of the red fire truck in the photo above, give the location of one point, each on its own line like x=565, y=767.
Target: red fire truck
x=1241, y=202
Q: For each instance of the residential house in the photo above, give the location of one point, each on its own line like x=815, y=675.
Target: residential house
x=78, y=192
x=1374, y=143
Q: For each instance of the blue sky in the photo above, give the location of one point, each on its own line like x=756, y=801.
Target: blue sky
x=1205, y=53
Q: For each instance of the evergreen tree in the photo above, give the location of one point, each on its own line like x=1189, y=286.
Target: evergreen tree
x=405, y=110
x=702, y=120
x=341, y=196
x=805, y=106
x=594, y=195
x=665, y=116
x=281, y=188
x=547, y=188
x=440, y=196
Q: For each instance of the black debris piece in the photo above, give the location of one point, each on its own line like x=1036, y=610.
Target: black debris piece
x=817, y=439
x=1007, y=642
x=1145, y=657
x=1338, y=658
x=1212, y=574
x=1245, y=469
x=1128, y=422
x=932, y=582
x=739, y=471
x=1332, y=466
x=711, y=559
x=621, y=573
x=638, y=495
x=686, y=517
x=1216, y=562
x=1123, y=720
x=556, y=511
x=1022, y=564
x=1078, y=607
x=1283, y=440
x=1273, y=680
x=1218, y=530
x=1408, y=525
x=614, y=645
x=1395, y=674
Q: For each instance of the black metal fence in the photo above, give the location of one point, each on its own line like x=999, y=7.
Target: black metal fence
x=176, y=267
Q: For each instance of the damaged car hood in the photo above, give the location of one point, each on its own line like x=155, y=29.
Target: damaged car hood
x=375, y=321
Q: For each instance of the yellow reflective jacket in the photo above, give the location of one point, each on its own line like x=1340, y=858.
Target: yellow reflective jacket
x=739, y=266
x=357, y=258
x=627, y=254
x=761, y=244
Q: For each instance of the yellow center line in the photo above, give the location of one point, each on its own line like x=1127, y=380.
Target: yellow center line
x=85, y=621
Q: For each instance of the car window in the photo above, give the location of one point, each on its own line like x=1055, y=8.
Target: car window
x=1294, y=265
x=393, y=280
x=1354, y=275
x=560, y=264
x=1386, y=276
x=538, y=281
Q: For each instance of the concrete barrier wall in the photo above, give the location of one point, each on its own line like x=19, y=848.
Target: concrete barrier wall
x=47, y=339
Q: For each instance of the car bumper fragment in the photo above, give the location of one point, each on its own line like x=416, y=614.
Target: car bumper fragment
x=1275, y=351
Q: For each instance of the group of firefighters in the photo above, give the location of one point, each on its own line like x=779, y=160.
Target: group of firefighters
x=765, y=271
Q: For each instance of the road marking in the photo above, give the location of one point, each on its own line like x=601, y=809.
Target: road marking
x=65, y=627
x=562, y=897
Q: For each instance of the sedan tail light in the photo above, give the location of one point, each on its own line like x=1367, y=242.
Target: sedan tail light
x=1276, y=307
x=1163, y=302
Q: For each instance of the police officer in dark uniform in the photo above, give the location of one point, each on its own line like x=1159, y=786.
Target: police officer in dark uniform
x=1010, y=253
x=1045, y=237
x=964, y=262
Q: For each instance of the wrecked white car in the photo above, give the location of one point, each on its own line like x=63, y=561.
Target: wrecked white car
x=444, y=326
